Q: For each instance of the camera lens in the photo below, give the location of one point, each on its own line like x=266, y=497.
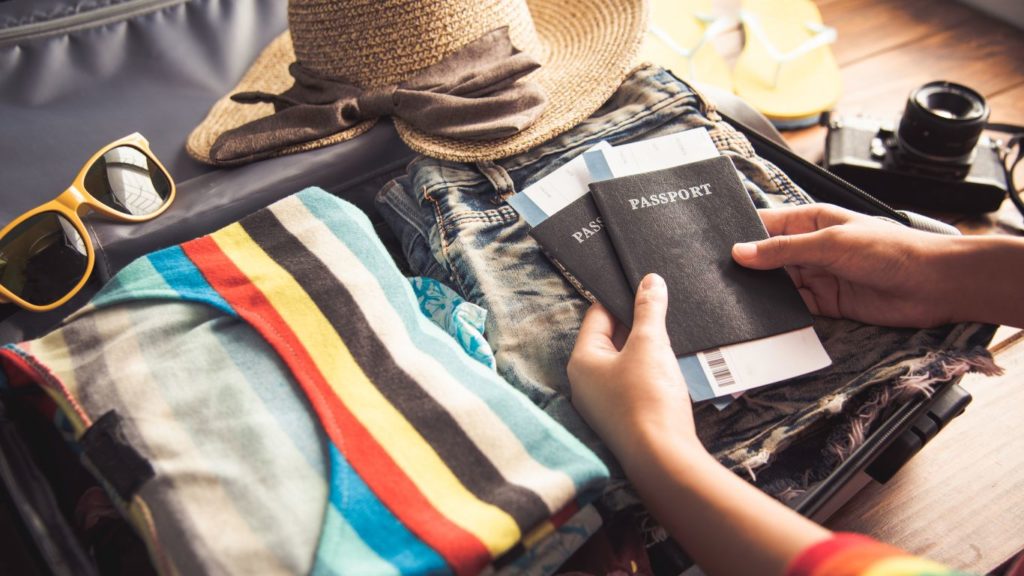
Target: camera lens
x=942, y=122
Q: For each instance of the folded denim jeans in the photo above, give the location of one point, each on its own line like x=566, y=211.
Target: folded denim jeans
x=454, y=224
x=270, y=399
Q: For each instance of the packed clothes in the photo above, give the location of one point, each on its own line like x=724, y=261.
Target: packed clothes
x=335, y=427
x=455, y=225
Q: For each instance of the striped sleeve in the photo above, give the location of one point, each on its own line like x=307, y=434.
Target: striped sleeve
x=846, y=554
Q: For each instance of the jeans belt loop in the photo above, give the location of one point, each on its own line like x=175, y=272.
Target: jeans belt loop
x=499, y=178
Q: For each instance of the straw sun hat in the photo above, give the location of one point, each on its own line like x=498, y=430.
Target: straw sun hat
x=570, y=56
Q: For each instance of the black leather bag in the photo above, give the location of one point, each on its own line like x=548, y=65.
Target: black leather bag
x=76, y=74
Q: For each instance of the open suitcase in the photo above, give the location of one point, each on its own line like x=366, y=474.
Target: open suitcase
x=75, y=74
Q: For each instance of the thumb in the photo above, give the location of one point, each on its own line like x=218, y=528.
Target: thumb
x=812, y=249
x=649, y=311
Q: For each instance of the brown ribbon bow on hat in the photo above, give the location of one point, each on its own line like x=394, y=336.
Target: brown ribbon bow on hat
x=473, y=94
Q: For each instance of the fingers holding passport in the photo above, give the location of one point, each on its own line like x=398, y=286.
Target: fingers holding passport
x=803, y=219
x=799, y=236
x=848, y=265
x=819, y=235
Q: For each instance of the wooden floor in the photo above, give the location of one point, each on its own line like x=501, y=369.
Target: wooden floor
x=961, y=499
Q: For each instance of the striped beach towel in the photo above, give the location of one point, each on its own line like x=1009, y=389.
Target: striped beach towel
x=269, y=399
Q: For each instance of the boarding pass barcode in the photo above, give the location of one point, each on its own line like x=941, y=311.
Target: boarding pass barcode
x=715, y=363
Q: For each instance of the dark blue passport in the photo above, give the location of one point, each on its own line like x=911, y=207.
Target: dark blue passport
x=574, y=239
x=681, y=223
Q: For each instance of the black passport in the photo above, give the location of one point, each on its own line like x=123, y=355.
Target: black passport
x=681, y=223
x=575, y=239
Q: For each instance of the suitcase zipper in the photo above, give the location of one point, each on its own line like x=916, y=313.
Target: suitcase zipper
x=81, y=20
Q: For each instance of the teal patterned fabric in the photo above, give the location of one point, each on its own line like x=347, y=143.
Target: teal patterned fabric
x=463, y=320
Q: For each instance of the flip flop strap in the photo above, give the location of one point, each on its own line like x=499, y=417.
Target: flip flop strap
x=823, y=36
x=712, y=27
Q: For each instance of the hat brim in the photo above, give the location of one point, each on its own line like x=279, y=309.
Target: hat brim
x=589, y=49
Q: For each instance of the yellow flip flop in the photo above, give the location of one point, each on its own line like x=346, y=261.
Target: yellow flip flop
x=679, y=38
x=786, y=69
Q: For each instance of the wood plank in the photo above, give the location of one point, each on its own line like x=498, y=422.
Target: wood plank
x=960, y=501
x=987, y=60
x=865, y=27
x=868, y=27
x=1008, y=105
x=1005, y=337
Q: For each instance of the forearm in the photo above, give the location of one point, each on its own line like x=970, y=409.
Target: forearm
x=724, y=523
x=988, y=272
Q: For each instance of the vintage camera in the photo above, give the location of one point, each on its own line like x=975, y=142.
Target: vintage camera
x=937, y=158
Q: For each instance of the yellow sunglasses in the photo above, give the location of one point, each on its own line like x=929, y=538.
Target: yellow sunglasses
x=46, y=254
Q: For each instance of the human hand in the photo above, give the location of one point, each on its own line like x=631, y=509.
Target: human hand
x=848, y=265
x=634, y=392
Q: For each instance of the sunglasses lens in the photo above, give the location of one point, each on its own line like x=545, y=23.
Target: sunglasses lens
x=42, y=259
x=128, y=181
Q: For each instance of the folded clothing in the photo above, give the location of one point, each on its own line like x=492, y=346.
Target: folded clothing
x=270, y=399
x=455, y=225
